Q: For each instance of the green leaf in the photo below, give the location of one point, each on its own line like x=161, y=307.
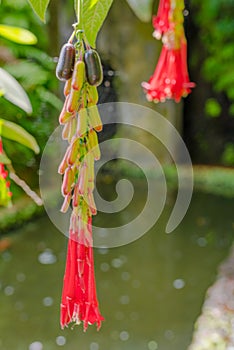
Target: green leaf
x=142, y=9
x=49, y=97
x=93, y=15
x=212, y=108
x=18, y=35
x=13, y=91
x=30, y=74
x=39, y=7
x=4, y=159
x=16, y=133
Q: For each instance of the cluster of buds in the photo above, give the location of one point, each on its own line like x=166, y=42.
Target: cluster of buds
x=5, y=193
x=170, y=79
x=80, y=67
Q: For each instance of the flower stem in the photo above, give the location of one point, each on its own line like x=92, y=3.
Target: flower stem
x=79, y=13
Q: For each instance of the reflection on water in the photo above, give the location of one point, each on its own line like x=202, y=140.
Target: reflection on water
x=150, y=291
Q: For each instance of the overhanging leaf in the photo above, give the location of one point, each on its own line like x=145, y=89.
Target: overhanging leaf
x=39, y=7
x=4, y=159
x=16, y=133
x=49, y=97
x=142, y=9
x=18, y=35
x=13, y=91
x=94, y=14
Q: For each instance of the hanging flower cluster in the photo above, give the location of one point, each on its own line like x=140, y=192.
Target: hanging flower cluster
x=80, y=67
x=170, y=79
x=5, y=193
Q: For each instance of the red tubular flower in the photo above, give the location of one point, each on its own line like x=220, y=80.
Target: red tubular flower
x=5, y=194
x=170, y=79
x=79, y=299
x=161, y=20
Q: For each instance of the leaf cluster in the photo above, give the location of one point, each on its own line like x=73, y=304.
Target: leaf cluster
x=215, y=21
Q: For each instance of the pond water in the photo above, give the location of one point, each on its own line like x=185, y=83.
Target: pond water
x=150, y=291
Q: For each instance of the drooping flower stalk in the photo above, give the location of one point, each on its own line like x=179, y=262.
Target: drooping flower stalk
x=170, y=79
x=81, y=68
x=5, y=193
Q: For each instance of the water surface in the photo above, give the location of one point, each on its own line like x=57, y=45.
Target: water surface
x=150, y=291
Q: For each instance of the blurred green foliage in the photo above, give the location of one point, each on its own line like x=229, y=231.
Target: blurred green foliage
x=228, y=155
x=216, y=22
x=209, y=110
x=34, y=70
x=212, y=108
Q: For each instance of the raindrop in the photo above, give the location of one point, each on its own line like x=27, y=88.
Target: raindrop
x=48, y=301
x=102, y=233
x=124, y=299
x=125, y=276
x=114, y=335
x=169, y=334
x=186, y=13
x=9, y=290
x=36, y=346
x=201, y=241
x=179, y=283
x=105, y=267
x=124, y=336
x=152, y=345
x=123, y=258
x=110, y=73
x=47, y=257
x=23, y=317
x=20, y=277
x=103, y=251
x=94, y=346
x=6, y=256
x=134, y=316
x=60, y=341
x=107, y=83
x=19, y=305
x=119, y=315
x=117, y=263
x=136, y=283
